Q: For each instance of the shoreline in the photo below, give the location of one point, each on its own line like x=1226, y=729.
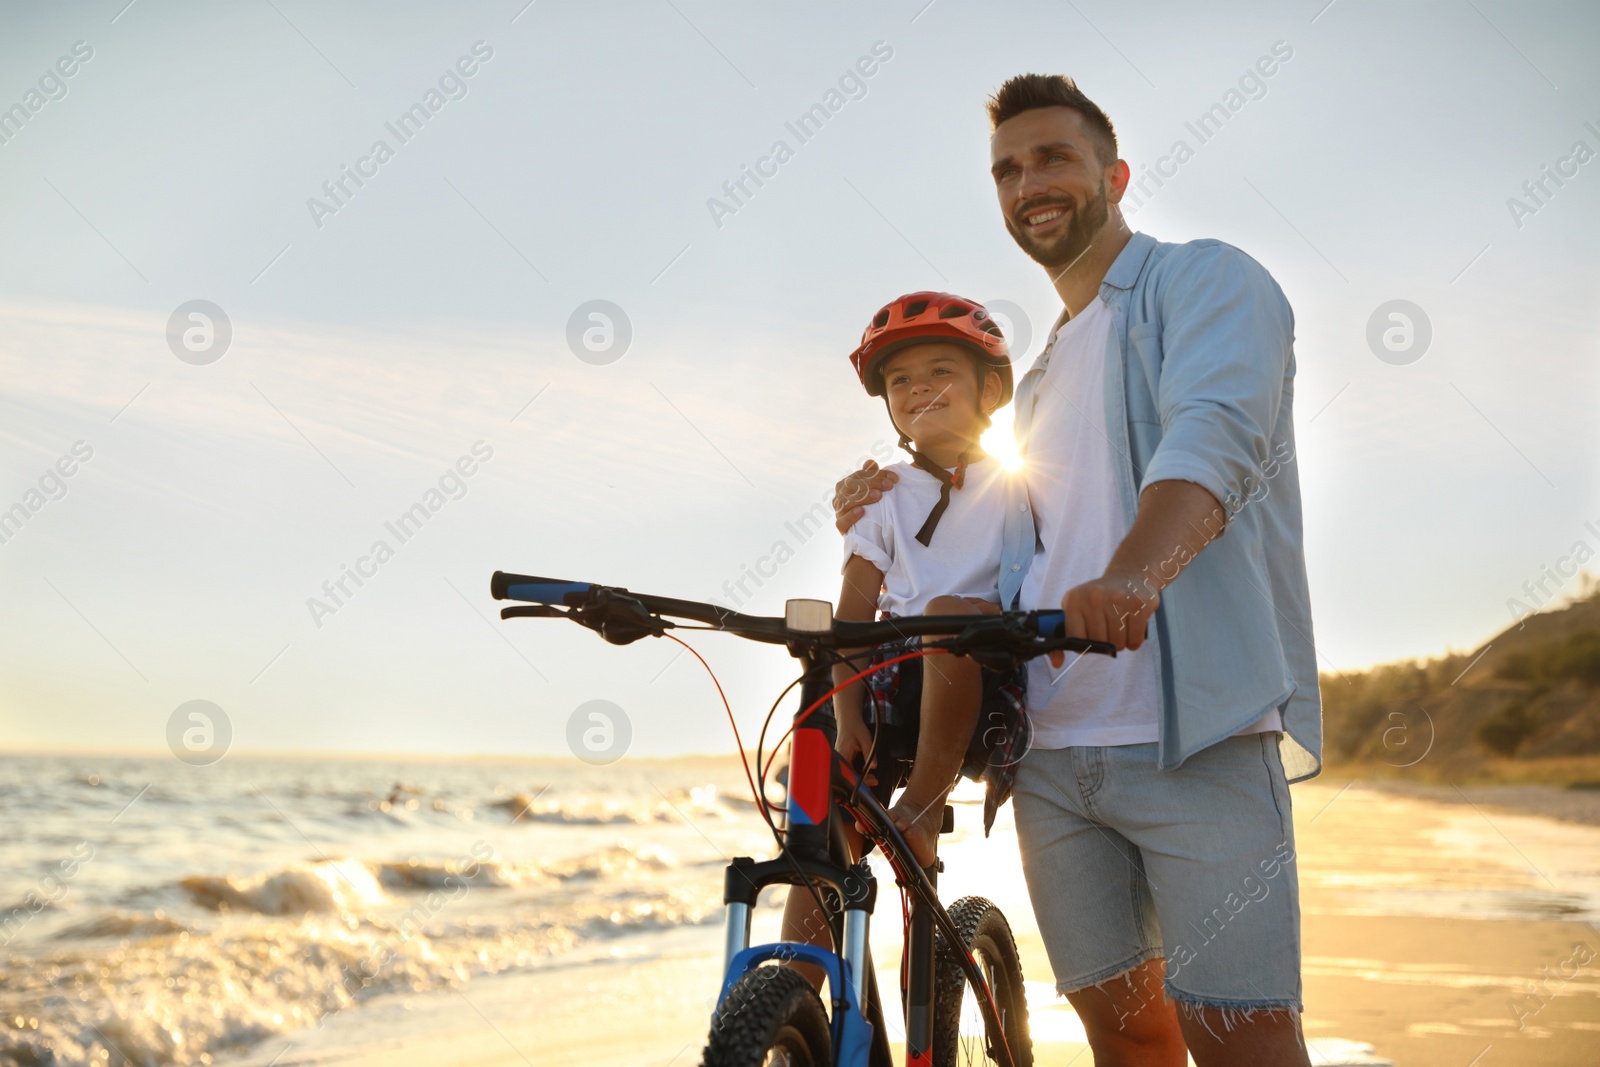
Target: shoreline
x=1581, y=806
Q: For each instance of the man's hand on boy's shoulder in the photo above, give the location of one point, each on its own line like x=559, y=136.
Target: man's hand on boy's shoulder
x=855, y=491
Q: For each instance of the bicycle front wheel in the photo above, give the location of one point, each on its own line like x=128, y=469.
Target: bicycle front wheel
x=771, y=1018
x=960, y=1037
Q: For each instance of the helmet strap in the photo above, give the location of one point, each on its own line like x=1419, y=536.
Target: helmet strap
x=947, y=480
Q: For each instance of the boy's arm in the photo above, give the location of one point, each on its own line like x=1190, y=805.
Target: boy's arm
x=858, y=602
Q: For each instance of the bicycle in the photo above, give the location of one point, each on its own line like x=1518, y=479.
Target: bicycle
x=956, y=960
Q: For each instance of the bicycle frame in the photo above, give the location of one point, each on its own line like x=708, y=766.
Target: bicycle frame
x=812, y=808
x=808, y=629
x=811, y=816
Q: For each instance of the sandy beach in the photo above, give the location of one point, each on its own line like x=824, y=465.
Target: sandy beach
x=1435, y=935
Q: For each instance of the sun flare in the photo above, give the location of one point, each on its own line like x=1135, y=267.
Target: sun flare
x=998, y=441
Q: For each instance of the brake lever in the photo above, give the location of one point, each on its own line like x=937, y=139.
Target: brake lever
x=615, y=616
x=533, y=611
x=997, y=650
x=989, y=647
x=619, y=618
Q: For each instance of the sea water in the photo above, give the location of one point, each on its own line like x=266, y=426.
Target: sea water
x=163, y=914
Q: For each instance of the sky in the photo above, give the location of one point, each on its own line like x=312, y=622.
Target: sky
x=385, y=338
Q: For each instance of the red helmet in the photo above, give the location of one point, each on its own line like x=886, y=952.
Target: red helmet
x=930, y=316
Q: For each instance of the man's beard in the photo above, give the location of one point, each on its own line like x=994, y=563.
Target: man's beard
x=1083, y=225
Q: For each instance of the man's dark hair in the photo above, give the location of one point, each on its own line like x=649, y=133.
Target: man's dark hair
x=1028, y=91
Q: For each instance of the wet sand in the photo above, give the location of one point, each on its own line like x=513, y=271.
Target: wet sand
x=1438, y=934
x=1439, y=992
x=1568, y=805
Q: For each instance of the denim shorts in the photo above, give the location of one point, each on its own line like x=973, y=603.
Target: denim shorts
x=1126, y=863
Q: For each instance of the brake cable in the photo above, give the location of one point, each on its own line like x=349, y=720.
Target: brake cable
x=805, y=879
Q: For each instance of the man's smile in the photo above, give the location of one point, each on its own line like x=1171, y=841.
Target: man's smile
x=1042, y=219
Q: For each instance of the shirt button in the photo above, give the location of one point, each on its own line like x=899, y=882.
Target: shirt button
x=1022, y=508
x=1016, y=566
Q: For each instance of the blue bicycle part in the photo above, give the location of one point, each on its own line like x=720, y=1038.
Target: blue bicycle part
x=854, y=1041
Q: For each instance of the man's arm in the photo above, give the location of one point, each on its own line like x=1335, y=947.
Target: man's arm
x=1175, y=521
x=1225, y=346
x=1226, y=349
x=855, y=491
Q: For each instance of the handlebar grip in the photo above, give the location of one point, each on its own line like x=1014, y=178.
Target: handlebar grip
x=533, y=589
x=1052, y=623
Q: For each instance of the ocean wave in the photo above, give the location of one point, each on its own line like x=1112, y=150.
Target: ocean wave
x=122, y=924
x=700, y=802
x=709, y=800
x=332, y=886
x=185, y=997
x=182, y=999
x=398, y=807
x=25, y=907
x=639, y=916
x=422, y=874
x=610, y=863
x=596, y=812
x=348, y=887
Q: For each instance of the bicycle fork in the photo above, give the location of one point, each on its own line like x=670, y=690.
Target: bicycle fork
x=918, y=977
x=814, y=857
x=858, y=1040
x=861, y=889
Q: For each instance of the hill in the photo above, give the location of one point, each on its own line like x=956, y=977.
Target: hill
x=1522, y=707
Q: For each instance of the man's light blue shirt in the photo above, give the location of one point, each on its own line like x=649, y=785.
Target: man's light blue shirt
x=1199, y=381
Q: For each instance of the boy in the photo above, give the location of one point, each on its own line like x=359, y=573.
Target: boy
x=933, y=547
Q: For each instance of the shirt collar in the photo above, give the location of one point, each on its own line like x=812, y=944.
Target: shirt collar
x=1129, y=262
x=1124, y=272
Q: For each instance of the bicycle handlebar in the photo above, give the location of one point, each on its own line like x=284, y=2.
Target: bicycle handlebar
x=622, y=616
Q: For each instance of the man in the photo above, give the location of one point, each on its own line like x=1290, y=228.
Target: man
x=1153, y=810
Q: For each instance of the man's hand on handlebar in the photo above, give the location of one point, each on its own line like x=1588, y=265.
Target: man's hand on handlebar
x=855, y=491
x=1176, y=520
x=1114, y=608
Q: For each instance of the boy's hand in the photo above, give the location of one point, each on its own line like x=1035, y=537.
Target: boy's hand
x=854, y=741
x=919, y=824
x=855, y=491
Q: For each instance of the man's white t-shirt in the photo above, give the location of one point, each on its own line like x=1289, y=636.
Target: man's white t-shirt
x=963, y=557
x=1090, y=700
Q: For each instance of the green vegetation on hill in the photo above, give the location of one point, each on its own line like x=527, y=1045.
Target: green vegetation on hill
x=1524, y=706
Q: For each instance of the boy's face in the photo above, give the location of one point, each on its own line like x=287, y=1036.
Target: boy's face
x=934, y=393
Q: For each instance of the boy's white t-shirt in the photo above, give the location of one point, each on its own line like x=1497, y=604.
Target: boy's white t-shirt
x=1091, y=700
x=963, y=558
